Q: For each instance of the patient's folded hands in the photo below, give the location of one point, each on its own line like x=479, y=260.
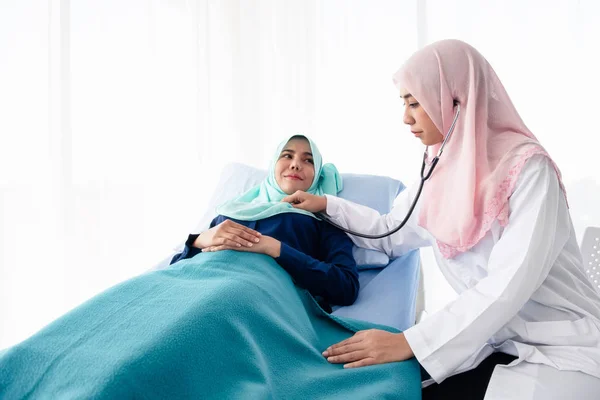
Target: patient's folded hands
x=228, y=233
x=267, y=245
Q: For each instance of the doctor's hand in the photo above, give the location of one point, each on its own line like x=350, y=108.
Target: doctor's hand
x=267, y=245
x=306, y=201
x=369, y=347
x=228, y=233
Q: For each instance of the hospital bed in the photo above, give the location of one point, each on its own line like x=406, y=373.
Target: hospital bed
x=388, y=288
x=392, y=291
x=163, y=334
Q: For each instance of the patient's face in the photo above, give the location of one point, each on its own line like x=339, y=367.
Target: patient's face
x=421, y=125
x=295, y=168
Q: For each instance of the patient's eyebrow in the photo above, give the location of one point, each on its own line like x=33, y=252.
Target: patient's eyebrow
x=306, y=153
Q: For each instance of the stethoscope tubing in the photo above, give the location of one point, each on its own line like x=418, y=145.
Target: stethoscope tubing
x=424, y=177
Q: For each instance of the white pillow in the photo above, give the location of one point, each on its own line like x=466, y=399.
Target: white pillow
x=369, y=259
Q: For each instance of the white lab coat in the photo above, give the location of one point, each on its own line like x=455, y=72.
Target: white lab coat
x=522, y=290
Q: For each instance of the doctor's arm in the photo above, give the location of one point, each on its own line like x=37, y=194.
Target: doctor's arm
x=366, y=220
x=520, y=261
x=538, y=229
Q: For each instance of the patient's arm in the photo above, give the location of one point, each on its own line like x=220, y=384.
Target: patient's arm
x=330, y=274
x=225, y=233
x=228, y=233
x=189, y=250
x=334, y=276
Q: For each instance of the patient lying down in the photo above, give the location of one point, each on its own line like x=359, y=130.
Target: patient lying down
x=317, y=256
x=230, y=318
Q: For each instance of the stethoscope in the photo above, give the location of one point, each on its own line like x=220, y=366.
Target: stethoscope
x=424, y=177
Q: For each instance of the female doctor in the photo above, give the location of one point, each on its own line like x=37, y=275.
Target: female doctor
x=526, y=323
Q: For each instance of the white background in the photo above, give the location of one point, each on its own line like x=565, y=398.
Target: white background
x=116, y=117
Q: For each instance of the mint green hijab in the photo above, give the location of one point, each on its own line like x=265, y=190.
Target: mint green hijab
x=264, y=200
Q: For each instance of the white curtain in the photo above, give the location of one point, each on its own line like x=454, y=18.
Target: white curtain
x=116, y=117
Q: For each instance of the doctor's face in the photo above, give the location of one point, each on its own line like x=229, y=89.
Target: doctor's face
x=295, y=169
x=420, y=124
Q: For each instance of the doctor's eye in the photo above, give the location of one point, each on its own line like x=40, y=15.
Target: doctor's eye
x=413, y=105
x=310, y=160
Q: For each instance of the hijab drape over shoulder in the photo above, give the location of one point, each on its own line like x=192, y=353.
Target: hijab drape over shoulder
x=477, y=173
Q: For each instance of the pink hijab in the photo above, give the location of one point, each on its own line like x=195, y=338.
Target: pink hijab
x=483, y=158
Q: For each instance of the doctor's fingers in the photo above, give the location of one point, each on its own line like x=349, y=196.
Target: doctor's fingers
x=349, y=357
x=293, y=198
x=347, y=348
x=357, y=337
x=361, y=363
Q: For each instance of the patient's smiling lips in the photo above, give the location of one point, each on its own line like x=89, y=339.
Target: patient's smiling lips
x=294, y=177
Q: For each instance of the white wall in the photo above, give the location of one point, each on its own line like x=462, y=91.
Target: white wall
x=115, y=117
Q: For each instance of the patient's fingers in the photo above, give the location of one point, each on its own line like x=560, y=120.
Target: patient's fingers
x=227, y=240
x=236, y=233
x=212, y=249
x=247, y=231
x=246, y=238
x=232, y=239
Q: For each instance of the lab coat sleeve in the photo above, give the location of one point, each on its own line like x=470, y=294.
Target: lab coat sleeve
x=538, y=228
x=367, y=220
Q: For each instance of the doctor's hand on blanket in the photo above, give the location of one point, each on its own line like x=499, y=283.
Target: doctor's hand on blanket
x=369, y=347
x=306, y=201
x=228, y=233
x=267, y=245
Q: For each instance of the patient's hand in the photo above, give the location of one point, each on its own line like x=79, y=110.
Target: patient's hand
x=228, y=233
x=306, y=201
x=267, y=245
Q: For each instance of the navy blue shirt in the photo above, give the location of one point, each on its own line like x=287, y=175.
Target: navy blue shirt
x=316, y=255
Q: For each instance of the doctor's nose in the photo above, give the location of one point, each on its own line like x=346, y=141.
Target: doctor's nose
x=407, y=118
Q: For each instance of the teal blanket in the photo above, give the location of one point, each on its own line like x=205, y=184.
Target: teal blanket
x=225, y=325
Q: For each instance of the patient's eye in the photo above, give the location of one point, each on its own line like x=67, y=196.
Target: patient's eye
x=413, y=105
x=310, y=160
x=286, y=155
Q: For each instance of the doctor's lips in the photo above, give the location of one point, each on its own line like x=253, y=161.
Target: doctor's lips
x=293, y=177
x=416, y=133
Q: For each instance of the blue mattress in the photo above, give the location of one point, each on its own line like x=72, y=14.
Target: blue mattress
x=387, y=296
